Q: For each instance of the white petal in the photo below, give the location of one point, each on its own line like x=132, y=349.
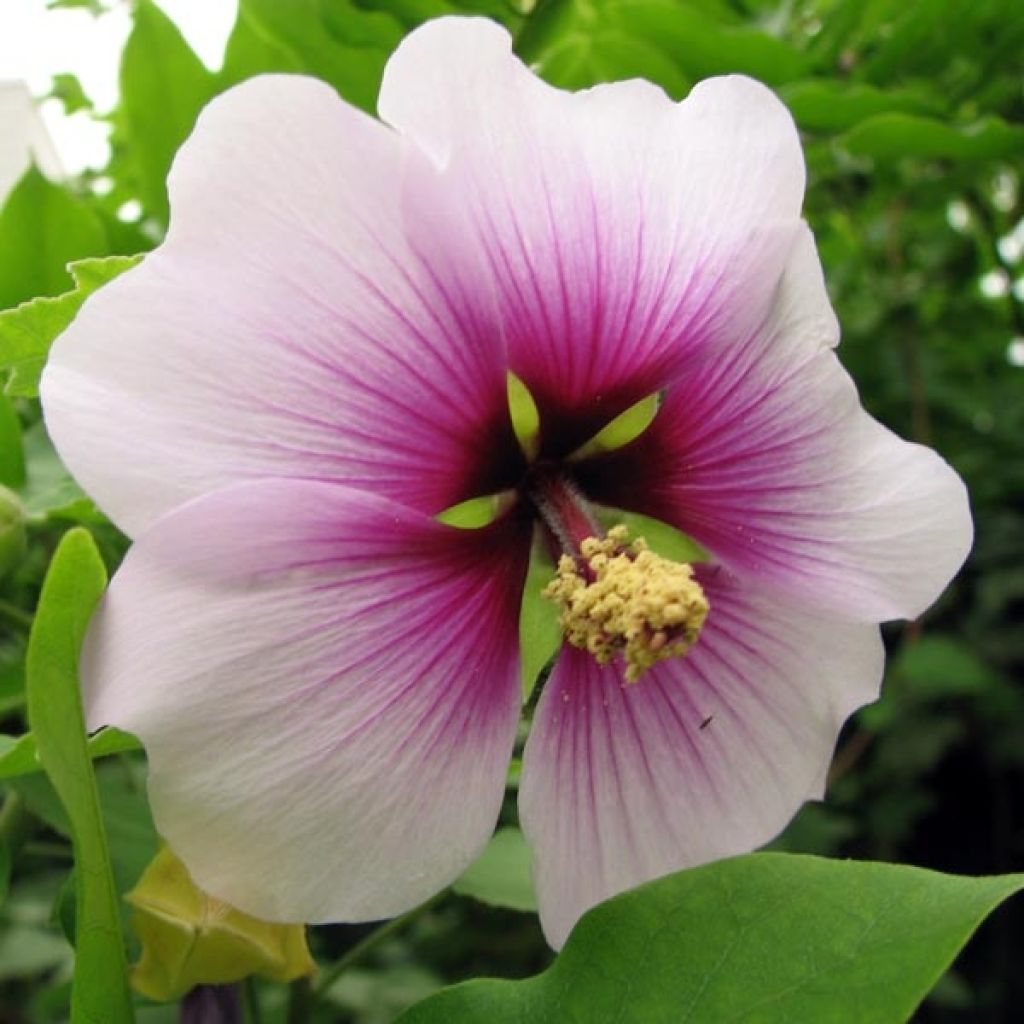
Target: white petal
x=327, y=686
x=287, y=327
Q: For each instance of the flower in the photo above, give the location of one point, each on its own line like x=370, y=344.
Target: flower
x=282, y=398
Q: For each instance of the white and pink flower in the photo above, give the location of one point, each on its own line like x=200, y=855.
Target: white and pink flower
x=279, y=401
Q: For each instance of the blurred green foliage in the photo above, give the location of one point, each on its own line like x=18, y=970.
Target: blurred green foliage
x=912, y=113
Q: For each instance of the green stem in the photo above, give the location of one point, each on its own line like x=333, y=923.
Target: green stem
x=251, y=1000
x=360, y=949
x=15, y=614
x=300, y=1001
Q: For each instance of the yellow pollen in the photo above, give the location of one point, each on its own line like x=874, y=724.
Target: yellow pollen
x=638, y=604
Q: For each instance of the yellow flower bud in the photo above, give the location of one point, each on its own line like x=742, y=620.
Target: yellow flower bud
x=190, y=938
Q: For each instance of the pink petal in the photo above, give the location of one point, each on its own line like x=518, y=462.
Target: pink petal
x=704, y=757
x=624, y=232
x=287, y=327
x=766, y=457
x=327, y=685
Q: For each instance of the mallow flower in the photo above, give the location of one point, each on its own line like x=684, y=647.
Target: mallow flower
x=279, y=402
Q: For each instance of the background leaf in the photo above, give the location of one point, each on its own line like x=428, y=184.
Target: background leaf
x=43, y=227
x=164, y=85
x=337, y=41
x=889, y=137
x=501, y=874
x=674, y=43
x=832, y=106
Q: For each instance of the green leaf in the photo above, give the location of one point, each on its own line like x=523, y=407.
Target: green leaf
x=49, y=491
x=43, y=227
x=892, y=137
x=575, y=43
x=68, y=90
x=540, y=635
x=500, y=876
x=252, y=49
x=702, y=46
x=939, y=666
x=337, y=42
x=28, y=331
x=414, y=12
x=12, y=454
x=767, y=938
x=164, y=85
x=834, y=106
x=610, y=55
x=72, y=588
x=95, y=7
x=5, y=871
x=131, y=834
x=18, y=753
x=26, y=951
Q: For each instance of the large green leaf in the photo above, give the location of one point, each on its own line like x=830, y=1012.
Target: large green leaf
x=833, y=106
x=335, y=41
x=575, y=43
x=892, y=137
x=702, y=45
x=610, y=55
x=164, y=85
x=28, y=330
x=72, y=587
x=764, y=938
x=43, y=227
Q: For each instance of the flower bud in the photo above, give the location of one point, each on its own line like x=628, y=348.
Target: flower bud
x=189, y=938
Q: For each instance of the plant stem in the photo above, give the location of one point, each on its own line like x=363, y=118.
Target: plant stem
x=251, y=1001
x=300, y=1001
x=361, y=948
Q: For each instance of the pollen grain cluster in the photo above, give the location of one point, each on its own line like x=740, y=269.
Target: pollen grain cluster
x=635, y=602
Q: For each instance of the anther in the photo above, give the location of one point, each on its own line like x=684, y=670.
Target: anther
x=622, y=598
